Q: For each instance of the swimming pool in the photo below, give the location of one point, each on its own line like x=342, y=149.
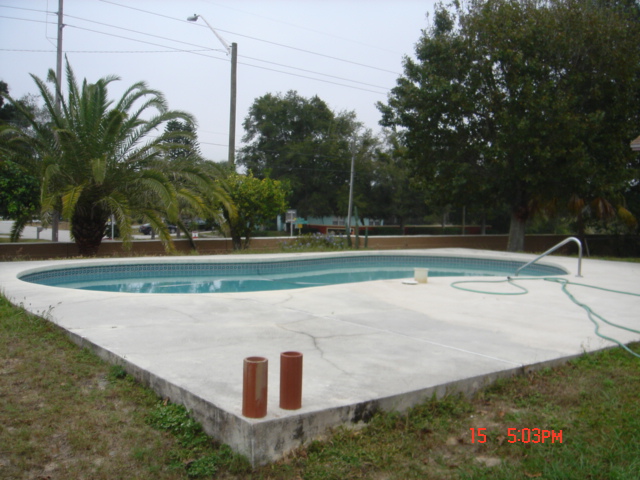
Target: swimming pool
x=219, y=276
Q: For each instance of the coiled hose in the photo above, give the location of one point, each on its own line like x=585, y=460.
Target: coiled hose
x=521, y=290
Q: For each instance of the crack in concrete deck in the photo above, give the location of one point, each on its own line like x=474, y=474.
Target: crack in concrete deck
x=389, y=345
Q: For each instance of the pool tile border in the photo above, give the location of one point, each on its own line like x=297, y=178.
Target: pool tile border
x=64, y=275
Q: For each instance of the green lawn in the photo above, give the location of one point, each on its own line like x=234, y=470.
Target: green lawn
x=66, y=414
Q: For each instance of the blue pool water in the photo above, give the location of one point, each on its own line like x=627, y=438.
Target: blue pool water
x=216, y=277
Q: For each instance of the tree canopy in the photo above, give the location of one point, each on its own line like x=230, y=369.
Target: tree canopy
x=394, y=194
x=181, y=146
x=19, y=199
x=19, y=187
x=254, y=202
x=303, y=143
x=523, y=103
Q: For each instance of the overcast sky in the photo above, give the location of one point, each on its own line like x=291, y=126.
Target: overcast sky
x=348, y=52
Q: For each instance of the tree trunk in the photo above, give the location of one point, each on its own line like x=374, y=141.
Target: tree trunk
x=236, y=240
x=516, y=233
x=88, y=235
x=401, y=223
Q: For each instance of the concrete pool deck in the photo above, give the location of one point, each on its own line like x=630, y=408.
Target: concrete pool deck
x=366, y=346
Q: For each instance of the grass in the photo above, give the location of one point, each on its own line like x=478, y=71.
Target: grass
x=66, y=414
x=618, y=259
x=7, y=239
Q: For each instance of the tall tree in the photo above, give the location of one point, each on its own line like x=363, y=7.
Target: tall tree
x=197, y=181
x=521, y=102
x=96, y=158
x=181, y=146
x=5, y=112
x=253, y=202
x=19, y=187
x=302, y=142
x=19, y=198
x=395, y=194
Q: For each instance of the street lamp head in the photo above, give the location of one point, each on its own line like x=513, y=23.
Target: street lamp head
x=233, y=51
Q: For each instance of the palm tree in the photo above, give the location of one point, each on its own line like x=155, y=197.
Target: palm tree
x=97, y=159
x=202, y=191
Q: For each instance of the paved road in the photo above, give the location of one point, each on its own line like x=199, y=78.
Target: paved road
x=32, y=232
x=45, y=234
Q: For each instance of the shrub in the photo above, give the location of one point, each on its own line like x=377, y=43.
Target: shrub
x=314, y=242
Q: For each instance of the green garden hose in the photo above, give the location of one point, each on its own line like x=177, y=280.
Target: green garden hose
x=565, y=283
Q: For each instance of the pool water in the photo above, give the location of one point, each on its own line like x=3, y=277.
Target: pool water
x=222, y=277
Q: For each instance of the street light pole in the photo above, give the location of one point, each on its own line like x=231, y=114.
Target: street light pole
x=54, y=221
x=353, y=160
x=233, y=51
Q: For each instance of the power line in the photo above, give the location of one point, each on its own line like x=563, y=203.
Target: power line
x=99, y=51
x=27, y=9
x=306, y=28
x=312, y=78
x=258, y=39
x=146, y=42
x=243, y=56
x=25, y=19
x=317, y=73
x=288, y=168
x=198, y=52
x=215, y=144
x=142, y=33
x=224, y=59
x=309, y=52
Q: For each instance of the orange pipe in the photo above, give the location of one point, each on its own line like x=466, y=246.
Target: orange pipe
x=290, y=380
x=254, y=387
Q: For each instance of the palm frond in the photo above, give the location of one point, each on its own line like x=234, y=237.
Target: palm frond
x=163, y=189
x=18, y=227
x=137, y=91
x=157, y=223
x=70, y=199
x=196, y=202
x=120, y=208
x=183, y=228
x=48, y=196
x=627, y=217
x=99, y=169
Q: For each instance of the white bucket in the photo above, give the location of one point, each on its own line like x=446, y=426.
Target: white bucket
x=421, y=275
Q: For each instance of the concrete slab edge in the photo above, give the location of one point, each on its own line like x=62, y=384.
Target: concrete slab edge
x=266, y=441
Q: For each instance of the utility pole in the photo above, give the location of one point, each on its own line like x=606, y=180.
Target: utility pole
x=233, y=51
x=59, y=56
x=54, y=222
x=232, y=114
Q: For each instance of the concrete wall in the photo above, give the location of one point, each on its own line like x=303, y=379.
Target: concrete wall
x=46, y=250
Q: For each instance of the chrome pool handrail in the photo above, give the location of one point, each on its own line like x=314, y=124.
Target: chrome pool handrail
x=552, y=249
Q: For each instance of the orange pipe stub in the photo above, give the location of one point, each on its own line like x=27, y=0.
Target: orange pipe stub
x=255, y=379
x=290, y=380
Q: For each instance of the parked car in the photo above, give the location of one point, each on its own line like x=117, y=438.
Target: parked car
x=146, y=229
